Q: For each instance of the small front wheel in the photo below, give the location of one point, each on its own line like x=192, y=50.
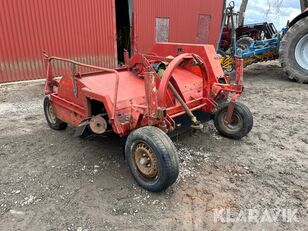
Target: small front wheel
x=152, y=158
x=51, y=118
x=241, y=123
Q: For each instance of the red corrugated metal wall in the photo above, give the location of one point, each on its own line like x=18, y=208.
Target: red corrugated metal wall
x=78, y=29
x=85, y=30
x=184, y=20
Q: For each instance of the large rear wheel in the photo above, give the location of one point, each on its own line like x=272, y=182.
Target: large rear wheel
x=293, y=52
x=152, y=158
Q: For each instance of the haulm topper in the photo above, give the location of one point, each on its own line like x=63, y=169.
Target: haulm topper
x=146, y=99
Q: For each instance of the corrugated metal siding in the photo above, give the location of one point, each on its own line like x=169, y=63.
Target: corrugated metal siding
x=77, y=29
x=184, y=16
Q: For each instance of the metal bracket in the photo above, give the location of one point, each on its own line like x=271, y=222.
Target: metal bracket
x=74, y=74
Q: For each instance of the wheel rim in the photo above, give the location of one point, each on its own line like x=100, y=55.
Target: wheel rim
x=236, y=122
x=301, y=52
x=51, y=115
x=244, y=44
x=145, y=161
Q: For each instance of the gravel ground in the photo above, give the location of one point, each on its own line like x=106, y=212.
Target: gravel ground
x=50, y=180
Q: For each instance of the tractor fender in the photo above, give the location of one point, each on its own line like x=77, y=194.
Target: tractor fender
x=299, y=17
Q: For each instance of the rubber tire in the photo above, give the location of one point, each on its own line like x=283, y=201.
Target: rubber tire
x=166, y=154
x=245, y=114
x=287, y=51
x=244, y=43
x=59, y=125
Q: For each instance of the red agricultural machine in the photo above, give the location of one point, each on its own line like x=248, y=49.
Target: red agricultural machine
x=146, y=99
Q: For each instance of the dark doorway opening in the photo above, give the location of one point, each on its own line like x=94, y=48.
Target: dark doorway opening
x=123, y=27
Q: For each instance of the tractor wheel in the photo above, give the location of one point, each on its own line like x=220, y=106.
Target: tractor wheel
x=242, y=121
x=152, y=158
x=244, y=43
x=51, y=118
x=293, y=52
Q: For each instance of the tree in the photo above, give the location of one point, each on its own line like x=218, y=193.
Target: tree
x=271, y=4
x=274, y=5
x=242, y=12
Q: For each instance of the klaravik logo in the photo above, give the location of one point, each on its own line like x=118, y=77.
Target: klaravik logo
x=228, y=215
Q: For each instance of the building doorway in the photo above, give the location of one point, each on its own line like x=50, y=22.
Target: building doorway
x=124, y=26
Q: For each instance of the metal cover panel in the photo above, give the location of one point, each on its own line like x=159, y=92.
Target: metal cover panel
x=162, y=29
x=203, y=29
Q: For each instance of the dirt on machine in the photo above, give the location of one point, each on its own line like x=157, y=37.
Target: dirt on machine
x=146, y=101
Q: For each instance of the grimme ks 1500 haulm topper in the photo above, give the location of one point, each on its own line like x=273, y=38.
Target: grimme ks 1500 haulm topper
x=151, y=96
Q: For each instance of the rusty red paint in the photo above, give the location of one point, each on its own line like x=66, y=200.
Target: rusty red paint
x=138, y=96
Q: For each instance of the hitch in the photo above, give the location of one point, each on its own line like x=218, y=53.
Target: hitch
x=240, y=82
x=196, y=124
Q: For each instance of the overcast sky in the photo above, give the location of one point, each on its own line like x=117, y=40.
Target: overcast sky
x=257, y=10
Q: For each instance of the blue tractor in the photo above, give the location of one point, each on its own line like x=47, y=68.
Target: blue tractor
x=290, y=46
